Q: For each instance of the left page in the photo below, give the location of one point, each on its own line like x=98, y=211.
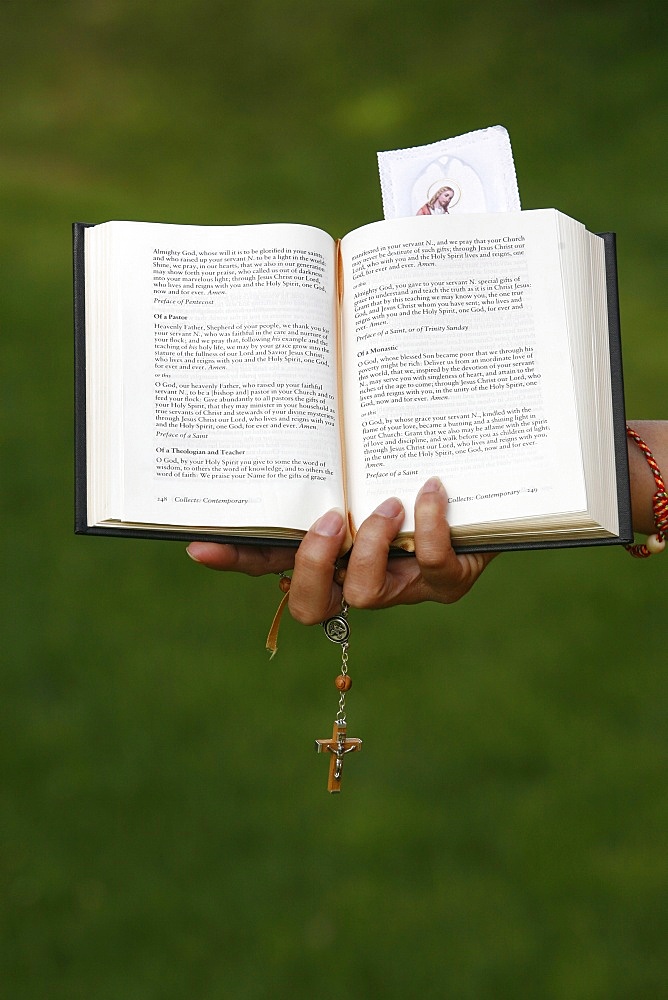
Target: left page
x=227, y=345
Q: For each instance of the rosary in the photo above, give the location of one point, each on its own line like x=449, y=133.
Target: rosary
x=337, y=629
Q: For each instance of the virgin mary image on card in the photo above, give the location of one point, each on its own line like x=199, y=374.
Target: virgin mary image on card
x=445, y=183
x=440, y=197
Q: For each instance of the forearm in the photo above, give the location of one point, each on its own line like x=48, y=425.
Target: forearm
x=643, y=487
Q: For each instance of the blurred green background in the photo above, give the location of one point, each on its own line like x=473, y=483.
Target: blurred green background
x=164, y=829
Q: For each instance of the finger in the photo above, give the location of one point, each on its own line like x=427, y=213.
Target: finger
x=367, y=582
x=249, y=559
x=433, y=545
x=446, y=573
x=313, y=592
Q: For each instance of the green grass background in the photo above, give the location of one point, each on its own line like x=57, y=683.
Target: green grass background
x=164, y=827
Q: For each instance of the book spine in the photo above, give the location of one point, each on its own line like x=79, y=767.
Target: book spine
x=617, y=384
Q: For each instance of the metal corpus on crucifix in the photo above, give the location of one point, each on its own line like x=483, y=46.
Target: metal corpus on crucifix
x=338, y=630
x=339, y=745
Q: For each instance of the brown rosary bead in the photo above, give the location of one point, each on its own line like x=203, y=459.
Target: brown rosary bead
x=343, y=682
x=284, y=584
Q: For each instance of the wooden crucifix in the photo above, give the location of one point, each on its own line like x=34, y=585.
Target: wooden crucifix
x=339, y=745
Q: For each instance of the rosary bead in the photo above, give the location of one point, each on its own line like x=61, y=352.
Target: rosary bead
x=284, y=584
x=340, y=575
x=343, y=682
x=655, y=544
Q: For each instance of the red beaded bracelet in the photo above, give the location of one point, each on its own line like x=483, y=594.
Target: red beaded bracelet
x=657, y=542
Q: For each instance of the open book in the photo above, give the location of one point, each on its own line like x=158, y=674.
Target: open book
x=237, y=382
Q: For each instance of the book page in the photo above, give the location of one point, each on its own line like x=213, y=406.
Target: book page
x=229, y=407
x=457, y=364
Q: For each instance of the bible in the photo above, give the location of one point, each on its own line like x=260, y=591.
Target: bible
x=232, y=383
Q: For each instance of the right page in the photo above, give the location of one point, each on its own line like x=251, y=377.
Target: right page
x=457, y=363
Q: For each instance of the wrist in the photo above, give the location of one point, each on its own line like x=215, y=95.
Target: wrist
x=656, y=541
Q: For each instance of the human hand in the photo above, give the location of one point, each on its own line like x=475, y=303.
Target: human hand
x=372, y=580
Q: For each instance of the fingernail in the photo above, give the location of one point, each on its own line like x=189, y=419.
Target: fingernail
x=433, y=485
x=390, y=508
x=192, y=555
x=329, y=524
